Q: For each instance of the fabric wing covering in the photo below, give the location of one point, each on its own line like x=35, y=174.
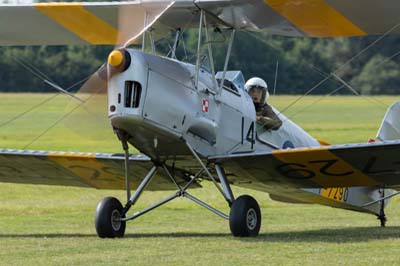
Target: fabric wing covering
x=372, y=164
x=102, y=171
x=352, y=165
x=115, y=23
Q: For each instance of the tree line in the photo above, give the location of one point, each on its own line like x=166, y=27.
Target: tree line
x=363, y=65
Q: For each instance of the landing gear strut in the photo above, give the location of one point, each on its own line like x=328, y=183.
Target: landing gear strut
x=244, y=218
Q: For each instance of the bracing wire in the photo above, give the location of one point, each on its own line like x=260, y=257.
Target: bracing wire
x=182, y=40
x=332, y=74
x=280, y=50
x=352, y=89
x=367, y=48
x=19, y=115
x=60, y=119
x=50, y=127
x=40, y=75
x=30, y=67
x=316, y=101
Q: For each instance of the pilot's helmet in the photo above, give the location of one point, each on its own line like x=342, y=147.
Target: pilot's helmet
x=254, y=84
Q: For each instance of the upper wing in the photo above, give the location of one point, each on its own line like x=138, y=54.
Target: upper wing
x=372, y=164
x=116, y=22
x=77, y=23
x=103, y=171
x=316, y=18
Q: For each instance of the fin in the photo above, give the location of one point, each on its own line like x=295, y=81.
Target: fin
x=390, y=127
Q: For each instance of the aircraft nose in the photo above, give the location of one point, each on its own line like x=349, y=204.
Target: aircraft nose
x=115, y=58
x=119, y=60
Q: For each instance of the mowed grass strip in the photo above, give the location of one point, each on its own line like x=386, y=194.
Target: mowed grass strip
x=44, y=225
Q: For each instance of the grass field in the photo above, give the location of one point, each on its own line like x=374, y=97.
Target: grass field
x=42, y=225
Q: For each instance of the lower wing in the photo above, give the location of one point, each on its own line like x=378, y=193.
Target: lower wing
x=371, y=164
x=353, y=165
x=102, y=171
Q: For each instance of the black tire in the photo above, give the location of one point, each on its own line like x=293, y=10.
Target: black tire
x=245, y=217
x=106, y=212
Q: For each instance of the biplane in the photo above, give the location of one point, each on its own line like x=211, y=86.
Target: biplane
x=207, y=130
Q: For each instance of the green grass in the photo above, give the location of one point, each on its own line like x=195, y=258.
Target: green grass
x=85, y=129
x=43, y=225
x=337, y=119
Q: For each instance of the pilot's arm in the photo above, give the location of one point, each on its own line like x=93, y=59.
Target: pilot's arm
x=268, y=119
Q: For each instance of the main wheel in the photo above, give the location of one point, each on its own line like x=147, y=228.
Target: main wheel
x=245, y=217
x=107, y=218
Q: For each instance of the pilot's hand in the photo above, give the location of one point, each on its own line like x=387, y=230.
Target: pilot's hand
x=262, y=118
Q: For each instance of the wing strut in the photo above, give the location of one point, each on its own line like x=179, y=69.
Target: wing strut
x=198, y=49
x=210, y=52
x=228, y=56
x=204, y=24
x=176, y=43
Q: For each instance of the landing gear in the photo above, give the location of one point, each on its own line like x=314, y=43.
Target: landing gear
x=108, y=216
x=111, y=217
x=245, y=217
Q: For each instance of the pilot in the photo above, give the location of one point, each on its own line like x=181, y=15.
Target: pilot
x=258, y=90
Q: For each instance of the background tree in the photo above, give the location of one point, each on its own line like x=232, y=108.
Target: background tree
x=303, y=62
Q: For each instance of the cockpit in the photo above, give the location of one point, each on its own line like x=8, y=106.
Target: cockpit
x=233, y=81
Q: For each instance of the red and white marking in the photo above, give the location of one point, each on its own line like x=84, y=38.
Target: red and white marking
x=205, y=105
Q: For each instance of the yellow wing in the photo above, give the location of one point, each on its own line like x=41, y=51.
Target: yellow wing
x=351, y=165
x=115, y=22
x=102, y=171
x=77, y=23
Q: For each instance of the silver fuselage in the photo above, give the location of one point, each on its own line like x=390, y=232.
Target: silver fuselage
x=157, y=103
x=170, y=111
